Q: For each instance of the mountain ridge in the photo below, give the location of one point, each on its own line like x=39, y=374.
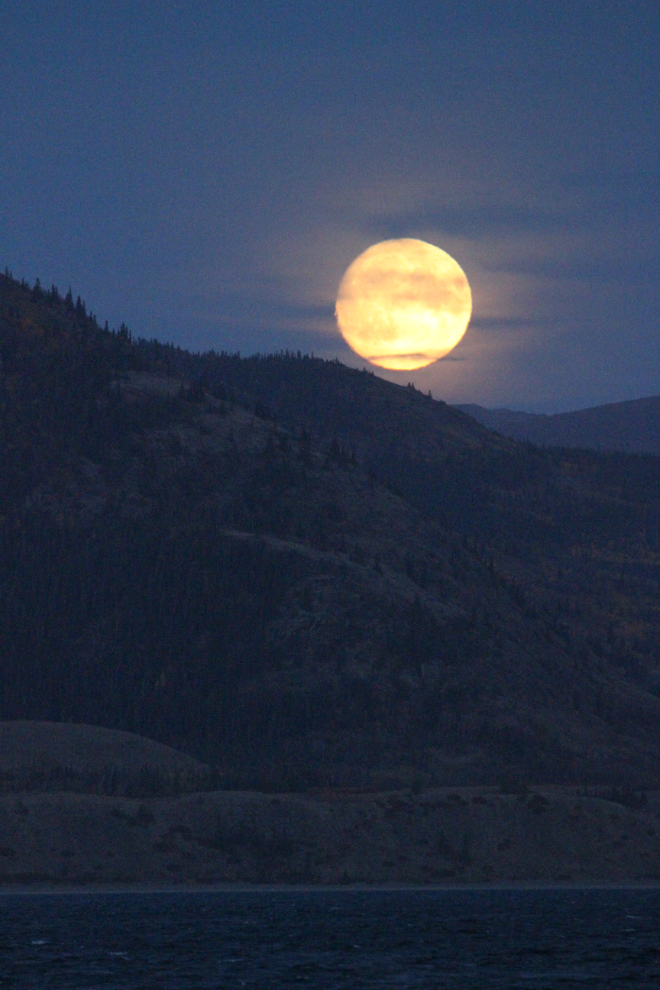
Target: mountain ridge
x=631, y=426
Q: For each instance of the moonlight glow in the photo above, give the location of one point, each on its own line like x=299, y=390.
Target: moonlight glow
x=403, y=304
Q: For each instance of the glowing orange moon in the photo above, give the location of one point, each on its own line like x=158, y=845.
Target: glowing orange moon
x=403, y=304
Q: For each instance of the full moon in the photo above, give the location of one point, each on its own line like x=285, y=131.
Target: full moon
x=403, y=304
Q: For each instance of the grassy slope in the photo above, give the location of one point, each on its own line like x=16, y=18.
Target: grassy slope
x=459, y=836
x=59, y=756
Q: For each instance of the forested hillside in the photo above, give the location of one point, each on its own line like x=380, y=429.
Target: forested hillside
x=305, y=575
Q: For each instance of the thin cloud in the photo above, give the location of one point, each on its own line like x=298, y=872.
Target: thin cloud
x=500, y=323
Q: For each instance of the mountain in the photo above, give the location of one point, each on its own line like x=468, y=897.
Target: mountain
x=307, y=576
x=632, y=427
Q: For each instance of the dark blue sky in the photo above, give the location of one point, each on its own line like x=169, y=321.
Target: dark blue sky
x=206, y=171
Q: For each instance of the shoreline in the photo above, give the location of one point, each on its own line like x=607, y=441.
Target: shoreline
x=274, y=888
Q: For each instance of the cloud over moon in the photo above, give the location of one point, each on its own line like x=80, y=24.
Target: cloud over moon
x=403, y=304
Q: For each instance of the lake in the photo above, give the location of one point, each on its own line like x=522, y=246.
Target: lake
x=505, y=938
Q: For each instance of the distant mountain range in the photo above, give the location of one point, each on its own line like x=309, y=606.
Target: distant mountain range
x=626, y=427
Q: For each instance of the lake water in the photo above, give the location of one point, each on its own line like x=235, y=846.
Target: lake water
x=348, y=938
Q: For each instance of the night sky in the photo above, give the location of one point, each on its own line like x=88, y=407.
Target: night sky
x=206, y=171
